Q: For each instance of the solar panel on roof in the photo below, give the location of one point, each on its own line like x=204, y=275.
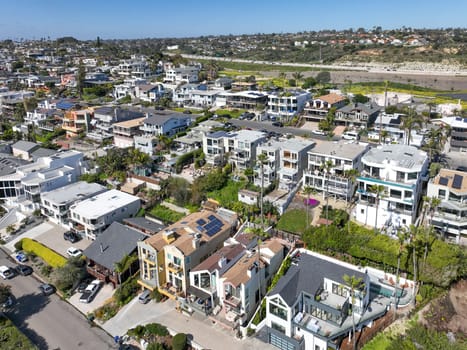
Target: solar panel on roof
x=443, y=181
x=211, y=232
x=200, y=222
x=457, y=182
x=211, y=217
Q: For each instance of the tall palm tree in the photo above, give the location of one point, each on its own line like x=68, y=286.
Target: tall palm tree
x=378, y=191
x=326, y=167
x=401, y=238
x=429, y=206
x=386, y=83
x=283, y=77
x=413, y=232
x=411, y=122
x=355, y=284
x=262, y=159
x=351, y=175
x=308, y=191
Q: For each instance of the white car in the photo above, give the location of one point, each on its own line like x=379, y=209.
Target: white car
x=74, y=252
x=318, y=132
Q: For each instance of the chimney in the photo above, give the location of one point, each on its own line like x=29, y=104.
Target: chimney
x=222, y=261
x=102, y=247
x=195, y=242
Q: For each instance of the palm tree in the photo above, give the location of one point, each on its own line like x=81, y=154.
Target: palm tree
x=351, y=176
x=355, y=284
x=298, y=76
x=413, y=232
x=402, y=238
x=121, y=266
x=308, y=190
x=262, y=159
x=386, y=83
x=429, y=206
x=283, y=77
x=410, y=122
x=326, y=167
x=378, y=191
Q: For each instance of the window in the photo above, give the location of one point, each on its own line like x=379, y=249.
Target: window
x=362, y=211
x=317, y=347
x=442, y=193
x=277, y=327
x=412, y=176
x=278, y=311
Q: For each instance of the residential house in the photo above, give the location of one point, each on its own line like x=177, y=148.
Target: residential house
x=182, y=95
x=124, y=132
x=223, y=83
x=146, y=225
x=56, y=204
x=214, y=147
x=271, y=149
x=25, y=185
x=24, y=149
x=39, y=116
x=357, y=114
x=244, y=86
x=162, y=123
x=204, y=99
x=194, y=138
x=318, y=107
x=134, y=68
x=450, y=216
x=458, y=125
x=168, y=256
x=149, y=92
x=311, y=307
x=343, y=156
x=188, y=74
x=106, y=117
x=128, y=88
x=399, y=171
x=248, y=197
x=112, y=256
x=92, y=216
x=77, y=122
x=287, y=104
x=251, y=100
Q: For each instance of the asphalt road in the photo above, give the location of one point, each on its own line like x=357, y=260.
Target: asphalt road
x=48, y=321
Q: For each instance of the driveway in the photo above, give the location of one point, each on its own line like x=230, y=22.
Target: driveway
x=206, y=334
x=33, y=233
x=104, y=294
x=53, y=239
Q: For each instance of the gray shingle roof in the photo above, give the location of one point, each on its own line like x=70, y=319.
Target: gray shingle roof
x=145, y=224
x=308, y=274
x=365, y=108
x=160, y=119
x=25, y=146
x=8, y=164
x=116, y=241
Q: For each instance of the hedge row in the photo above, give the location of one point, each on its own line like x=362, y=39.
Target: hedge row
x=49, y=256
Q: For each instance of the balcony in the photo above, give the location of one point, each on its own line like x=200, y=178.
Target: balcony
x=171, y=291
x=174, y=268
x=150, y=259
x=232, y=301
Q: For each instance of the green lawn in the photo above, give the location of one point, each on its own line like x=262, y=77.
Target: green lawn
x=166, y=214
x=234, y=113
x=293, y=221
x=227, y=195
x=380, y=342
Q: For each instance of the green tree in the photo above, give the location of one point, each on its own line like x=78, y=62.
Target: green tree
x=298, y=76
x=5, y=292
x=378, y=192
x=355, y=284
x=179, y=341
x=283, y=77
x=410, y=122
x=308, y=191
x=402, y=243
x=326, y=167
x=80, y=77
x=359, y=98
x=262, y=160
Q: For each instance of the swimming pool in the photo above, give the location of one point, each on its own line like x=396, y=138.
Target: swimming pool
x=386, y=292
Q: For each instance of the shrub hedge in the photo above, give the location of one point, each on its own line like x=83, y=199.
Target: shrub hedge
x=49, y=256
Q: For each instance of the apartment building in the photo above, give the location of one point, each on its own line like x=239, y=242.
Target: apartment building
x=343, y=156
x=168, y=256
x=272, y=150
x=239, y=146
x=56, y=204
x=398, y=171
x=450, y=217
x=285, y=105
x=458, y=140
x=77, y=122
x=92, y=216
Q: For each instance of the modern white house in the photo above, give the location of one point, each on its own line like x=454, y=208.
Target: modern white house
x=458, y=141
x=188, y=74
x=182, y=95
x=287, y=104
x=398, y=171
x=311, y=307
x=46, y=174
x=342, y=156
x=450, y=217
x=56, y=204
x=272, y=150
x=165, y=124
x=92, y=216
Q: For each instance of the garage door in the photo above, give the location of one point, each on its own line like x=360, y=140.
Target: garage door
x=280, y=343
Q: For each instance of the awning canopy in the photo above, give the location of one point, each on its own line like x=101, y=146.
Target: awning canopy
x=198, y=293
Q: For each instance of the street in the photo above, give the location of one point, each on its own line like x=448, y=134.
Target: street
x=48, y=321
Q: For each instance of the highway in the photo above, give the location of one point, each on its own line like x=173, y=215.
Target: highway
x=48, y=321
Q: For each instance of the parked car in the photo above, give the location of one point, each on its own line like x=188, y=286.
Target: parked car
x=6, y=272
x=90, y=291
x=350, y=135
x=71, y=236
x=318, y=132
x=278, y=124
x=145, y=297
x=47, y=289
x=21, y=257
x=83, y=284
x=74, y=252
x=24, y=270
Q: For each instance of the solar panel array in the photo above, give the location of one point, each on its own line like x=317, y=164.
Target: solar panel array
x=210, y=228
x=457, y=182
x=443, y=181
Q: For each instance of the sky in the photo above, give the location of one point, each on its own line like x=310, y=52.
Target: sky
x=130, y=19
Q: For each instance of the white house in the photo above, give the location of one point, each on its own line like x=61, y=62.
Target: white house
x=285, y=105
x=398, y=171
x=450, y=217
x=180, y=75
x=56, y=204
x=342, y=156
x=93, y=215
x=165, y=124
